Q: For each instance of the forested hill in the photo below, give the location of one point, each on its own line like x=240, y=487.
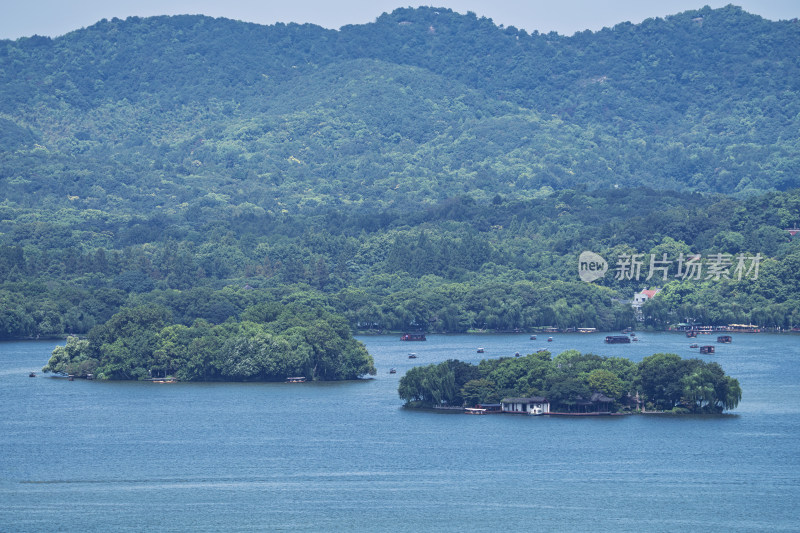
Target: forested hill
x=428, y=171
x=419, y=106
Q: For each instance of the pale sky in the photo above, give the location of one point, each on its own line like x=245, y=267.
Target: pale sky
x=20, y=18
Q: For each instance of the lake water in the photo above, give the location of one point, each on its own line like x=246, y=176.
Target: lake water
x=98, y=456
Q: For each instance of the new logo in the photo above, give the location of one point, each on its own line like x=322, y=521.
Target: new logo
x=591, y=266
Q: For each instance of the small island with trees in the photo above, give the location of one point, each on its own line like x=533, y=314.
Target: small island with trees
x=270, y=339
x=574, y=383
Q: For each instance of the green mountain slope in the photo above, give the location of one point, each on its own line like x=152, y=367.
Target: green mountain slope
x=428, y=170
x=430, y=100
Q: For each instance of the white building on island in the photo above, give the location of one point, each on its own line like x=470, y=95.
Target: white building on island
x=536, y=405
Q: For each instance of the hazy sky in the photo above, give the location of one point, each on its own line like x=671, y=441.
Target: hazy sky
x=20, y=18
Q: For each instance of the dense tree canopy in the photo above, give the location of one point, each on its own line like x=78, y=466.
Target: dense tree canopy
x=296, y=335
x=570, y=380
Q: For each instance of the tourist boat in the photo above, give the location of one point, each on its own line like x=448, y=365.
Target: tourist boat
x=413, y=337
x=691, y=334
x=694, y=346
x=474, y=411
x=618, y=339
x=480, y=350
x=706, y=349
x=724, y=339
x=296, y=379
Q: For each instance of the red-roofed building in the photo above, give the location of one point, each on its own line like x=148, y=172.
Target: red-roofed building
x=640, y=298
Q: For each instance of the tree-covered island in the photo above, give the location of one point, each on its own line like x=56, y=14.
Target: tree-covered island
x=270, y=339
x=573, y=382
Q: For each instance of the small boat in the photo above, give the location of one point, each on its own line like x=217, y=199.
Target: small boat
x=297, y=379
x=725, y=339
x=32, y=375
x=533, y=337
x=412, y=356
x=516, y=354
x=392, y=371
x=694, y=346
x=549, y=339
x=635, y=339
x=480, y=350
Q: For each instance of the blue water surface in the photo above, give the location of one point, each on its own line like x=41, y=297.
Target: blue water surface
x=130, y=456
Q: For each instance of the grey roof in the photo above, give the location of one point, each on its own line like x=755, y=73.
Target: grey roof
x=532, y=399
x=600, y=397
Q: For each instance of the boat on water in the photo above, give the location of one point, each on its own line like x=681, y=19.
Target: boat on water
x=706, y=349
x=392, y=371
x=480, y=350
x=533, y=337
x=549, y=339
x=412, y=356
x=32, y=375
x=618, y=339
x=413, y=337
x=725, y=339
x=694, y=346
x=296, y=379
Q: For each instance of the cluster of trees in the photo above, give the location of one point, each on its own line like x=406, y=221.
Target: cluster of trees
x=661, y=381
x=296, y=335
x=458, y=266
